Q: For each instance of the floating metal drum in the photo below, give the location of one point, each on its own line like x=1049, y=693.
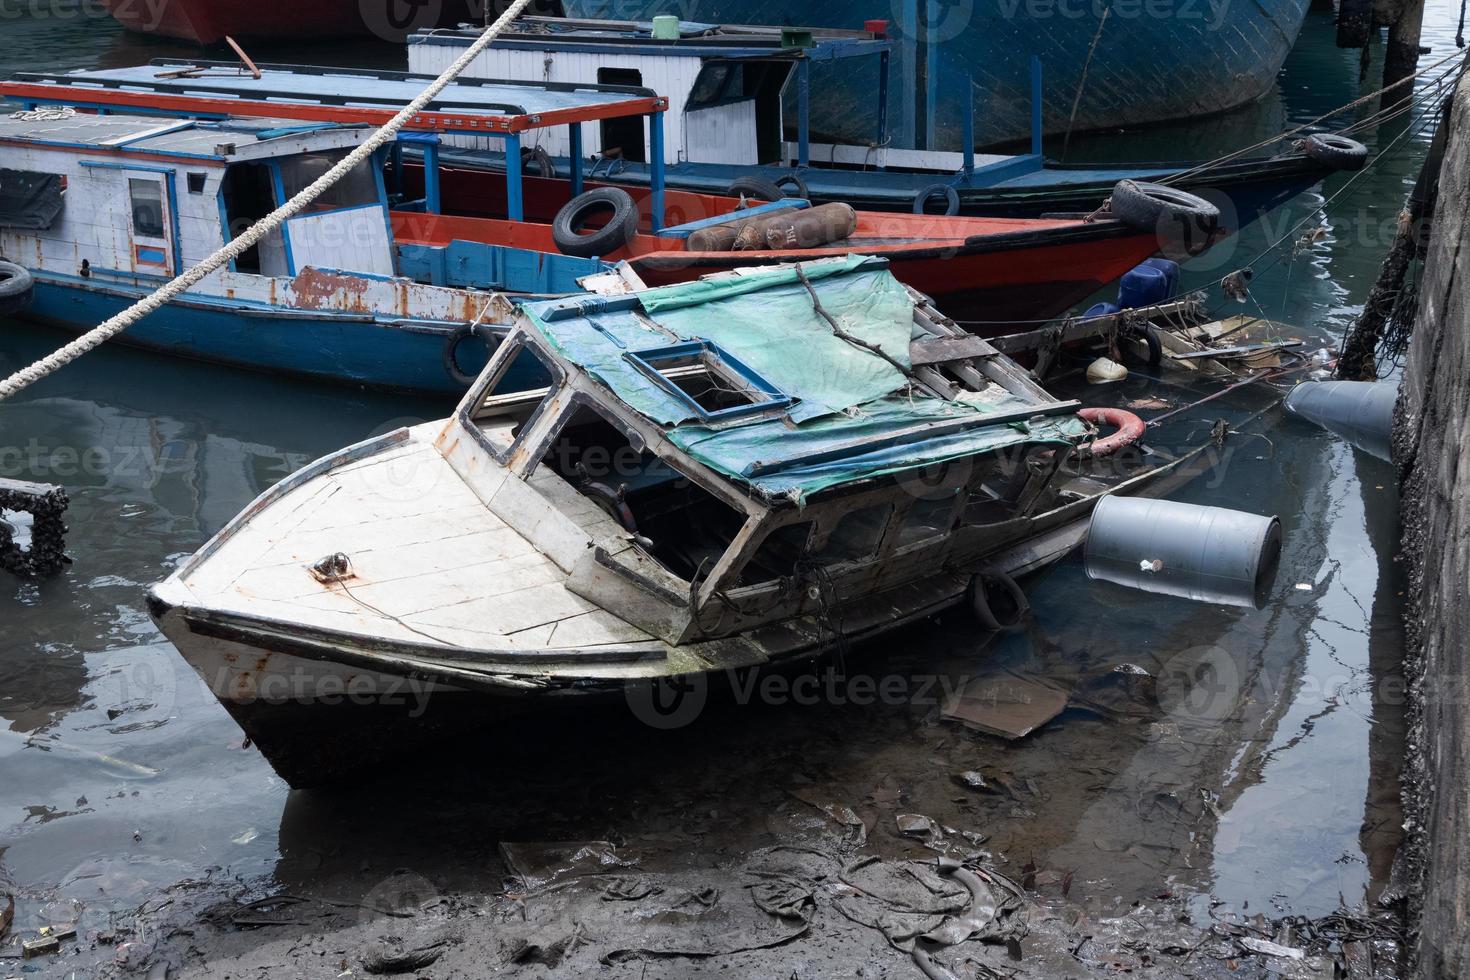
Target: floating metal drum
x=1361, y=412
x=1208, y=554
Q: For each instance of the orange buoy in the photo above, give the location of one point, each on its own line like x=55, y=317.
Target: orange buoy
x=1130, y=429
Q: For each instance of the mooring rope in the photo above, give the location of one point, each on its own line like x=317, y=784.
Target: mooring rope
x=251, y=236
x=1219, y=161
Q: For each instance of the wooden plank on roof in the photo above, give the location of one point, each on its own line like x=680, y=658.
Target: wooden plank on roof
x=941, y=350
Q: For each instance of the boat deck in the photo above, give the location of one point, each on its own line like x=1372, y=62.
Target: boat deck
x=429, y=561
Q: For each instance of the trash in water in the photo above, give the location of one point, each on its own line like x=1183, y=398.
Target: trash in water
x=1009, y=706
x=40, y=947
x=246, y=837
x=538, y=865
x=1150, y=404
x=857, y=828
x=1267, y=948
x=1104, y=371
x=918, y=825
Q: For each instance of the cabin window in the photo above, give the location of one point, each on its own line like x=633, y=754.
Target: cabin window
x=197, y=182
x=147, y=202
x=685, y=528
x=857, y=535
x=523, y=381
x=927, y=519
x=779, y=555
x=713, y=385
x=623, y=137
x=358, y=188
x=30, y=200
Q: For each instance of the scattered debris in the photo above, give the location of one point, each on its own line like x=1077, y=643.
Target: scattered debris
x=857, y=828
x=1008, y=705
x=539, y=865
x=394, y=959
x=918, y=825
x=1267, y=948
x=1105, y=370
x=40, y=947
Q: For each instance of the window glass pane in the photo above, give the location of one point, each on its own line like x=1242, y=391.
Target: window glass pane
x=147, y=201
x=710, y=85
x=357, y=188
x=857, y=535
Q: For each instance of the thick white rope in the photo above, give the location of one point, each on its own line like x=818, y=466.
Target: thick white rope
x=168, y=292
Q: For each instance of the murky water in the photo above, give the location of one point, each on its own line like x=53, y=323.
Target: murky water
x=120, y=776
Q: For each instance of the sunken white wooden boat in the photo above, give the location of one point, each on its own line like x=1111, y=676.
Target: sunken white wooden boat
x=719, y=475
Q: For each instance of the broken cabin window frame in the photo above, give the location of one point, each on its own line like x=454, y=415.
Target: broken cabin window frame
x=765, y=397
x=495, y=372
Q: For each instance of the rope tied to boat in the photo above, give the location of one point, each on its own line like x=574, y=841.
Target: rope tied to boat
x=247, y=239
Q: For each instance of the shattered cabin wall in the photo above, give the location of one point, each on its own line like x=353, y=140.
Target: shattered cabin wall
x=1432, y=448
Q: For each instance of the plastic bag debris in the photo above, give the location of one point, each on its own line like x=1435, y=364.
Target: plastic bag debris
x=539, y=865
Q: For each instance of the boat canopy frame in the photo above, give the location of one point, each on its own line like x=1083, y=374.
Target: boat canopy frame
x=470, y=107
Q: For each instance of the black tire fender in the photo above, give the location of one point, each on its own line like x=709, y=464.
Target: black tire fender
x=1337, y=152
x=757, y=188
x=950, y=195
x=1183, y=221
x=988, y=589
x=566, y=230
x=799, y=188
x=487, y=336
x=15, y=280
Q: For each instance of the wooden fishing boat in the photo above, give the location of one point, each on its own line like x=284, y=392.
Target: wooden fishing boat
x=996, y=270
x=738, y=93
x=102, y=209
x=723, y=475
x=211, y=21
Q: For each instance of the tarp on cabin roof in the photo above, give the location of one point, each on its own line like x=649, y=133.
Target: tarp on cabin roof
x=852, y=419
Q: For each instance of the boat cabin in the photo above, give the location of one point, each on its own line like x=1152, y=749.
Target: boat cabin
x=739, y=96
x=715, y=473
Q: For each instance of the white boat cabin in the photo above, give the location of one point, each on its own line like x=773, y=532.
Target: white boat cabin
x=141, y=198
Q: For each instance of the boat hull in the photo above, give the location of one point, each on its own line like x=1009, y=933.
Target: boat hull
x=211, y=21
x=1147, y=63
x=357, y=350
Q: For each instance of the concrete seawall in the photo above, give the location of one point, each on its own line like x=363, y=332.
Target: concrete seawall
x=1432, y=450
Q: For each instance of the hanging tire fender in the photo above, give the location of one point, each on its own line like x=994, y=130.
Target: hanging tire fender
x=798, y=186
x=487, y=336
x=16, y=288
x=15, y=280
x=950, y=195
x=989, y=593
x=621, y=228
x=756, y=188
x=1154, y=207
x=1337, y=152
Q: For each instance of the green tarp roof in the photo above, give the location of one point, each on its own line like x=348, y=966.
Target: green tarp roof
x=852, y=416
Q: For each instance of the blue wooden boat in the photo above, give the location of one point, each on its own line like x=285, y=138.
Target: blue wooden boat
x=736, y=93
x=102, y=208
x=1147, y=63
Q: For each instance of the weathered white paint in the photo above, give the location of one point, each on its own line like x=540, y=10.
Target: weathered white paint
x=96, y=225
x=671, y=77
x=722, y=134
x=354, y=239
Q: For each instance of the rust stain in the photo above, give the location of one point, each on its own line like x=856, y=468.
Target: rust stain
x=317, y=290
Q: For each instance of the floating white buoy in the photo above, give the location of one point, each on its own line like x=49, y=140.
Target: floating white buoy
x=1104, y=371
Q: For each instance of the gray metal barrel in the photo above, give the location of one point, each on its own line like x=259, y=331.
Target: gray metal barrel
x=1359, y=411
x=1207, y=554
